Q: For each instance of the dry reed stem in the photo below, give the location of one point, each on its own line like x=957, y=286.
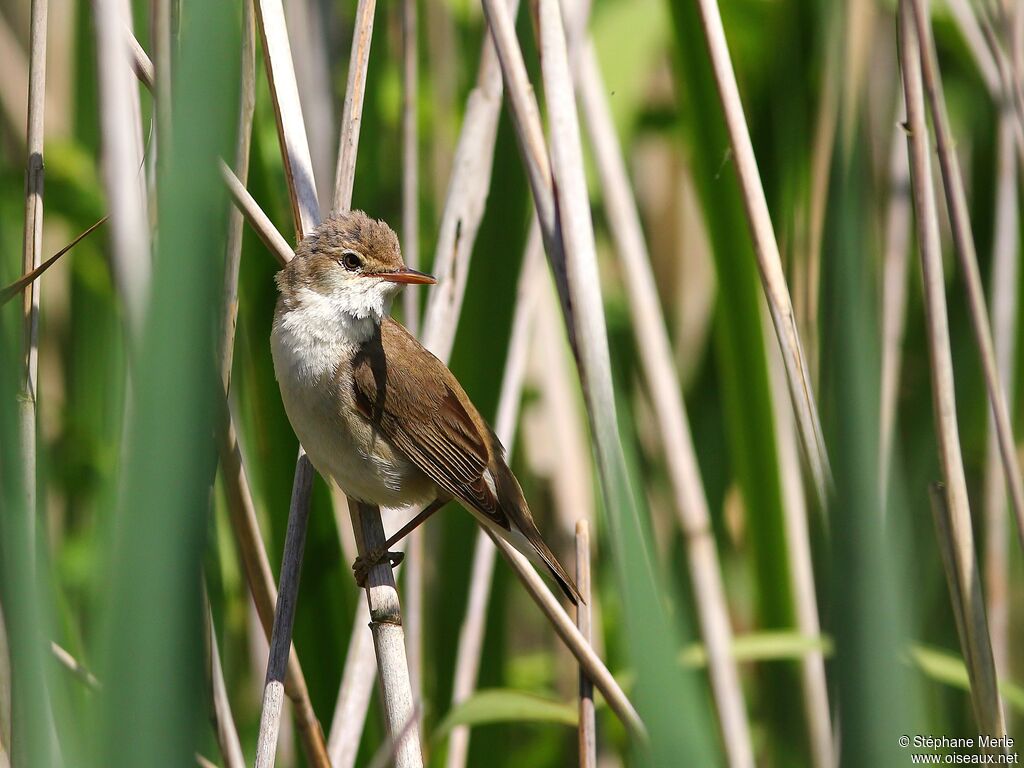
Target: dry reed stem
x=233, y=248
x=656, y=357
x=574, y=641
x=963, y=238
x=1005, y=295
x=74, y=666
x=223, y=721
x=284, y=615
x=352, y=112
x=141, y=64
x=258, y=220
x=8, y=292
x=465, y=201
x=813, y=678
x=388, y=639
x=533, y=149
x=121, y=164
x=291, y=128
x=574, y=267
x=474, y=624
x=955, y=534
x=259, y=577
x=410, y=158
x=353, y=693
x=969, y=612
x=766, y=250
x=587, y=729
x=896, y=260
x=414, y=582
x=976, y=44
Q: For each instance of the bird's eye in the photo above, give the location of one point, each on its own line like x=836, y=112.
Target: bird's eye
x=350, y=261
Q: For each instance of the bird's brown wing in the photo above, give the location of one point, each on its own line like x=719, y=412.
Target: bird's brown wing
x=423, y=411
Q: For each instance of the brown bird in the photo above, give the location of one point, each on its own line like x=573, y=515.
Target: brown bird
x=375, y=411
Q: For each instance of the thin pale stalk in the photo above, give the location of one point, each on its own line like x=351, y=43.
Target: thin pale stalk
x=236, y=219
x=655, y=350
x=410, y=160
x=256, y=565
x=465, y=202
x=1005, y=295
x=566, y=629
x=32, y=257
x=353, y=693
x=284, y=615
x=576, y=277
x=474, y=624
x=414, y=584
x=121, y=165
x=975, y=39
x=388, y=639
x=532, y=146
x=291, y=129
x=969, y=613
x=896, y=260
x=74, y=666
x=813, y=679
x=258, y=220
x=766, y=249
x=587, y=728
x=955, y=501
x=163, y=53
x=10, y=291
x=223, y=720
x=963, y=238
x=352, y=111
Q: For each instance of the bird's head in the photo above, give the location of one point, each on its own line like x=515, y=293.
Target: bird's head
x=353, y=261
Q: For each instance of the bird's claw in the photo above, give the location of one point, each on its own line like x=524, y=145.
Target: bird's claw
x=362, y=565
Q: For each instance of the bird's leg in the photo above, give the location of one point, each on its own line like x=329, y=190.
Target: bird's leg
x=362, y=565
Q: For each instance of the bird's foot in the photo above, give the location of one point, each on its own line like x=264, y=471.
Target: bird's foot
x=362, y=565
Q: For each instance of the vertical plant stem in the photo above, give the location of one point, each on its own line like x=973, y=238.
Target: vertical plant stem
x=957, y=511
x=284, y=616
x=1005, y=295
x=352, y=113
x=32, y=256
x=414, y=584
x=388, y=639
x=223, y=721
x=963, y=238
x=656, y=357
x=353, y=693
x=236, y=219
x=256, y=565
x=410, y=162
x=587, y=729
x=471, y=633
x=766, y=250
x=121, y=163
x=291, y=128
x=32, y=253
x=896, y=260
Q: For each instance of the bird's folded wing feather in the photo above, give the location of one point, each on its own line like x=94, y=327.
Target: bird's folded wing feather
x=423, y=411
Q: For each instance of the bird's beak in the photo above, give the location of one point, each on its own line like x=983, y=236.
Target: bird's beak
x=406, y=276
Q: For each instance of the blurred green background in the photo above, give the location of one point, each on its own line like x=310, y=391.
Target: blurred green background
x=125, y=516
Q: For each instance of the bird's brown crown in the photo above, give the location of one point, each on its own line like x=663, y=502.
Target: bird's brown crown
x=351, y=241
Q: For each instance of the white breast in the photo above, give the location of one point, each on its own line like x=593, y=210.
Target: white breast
x=312, y=347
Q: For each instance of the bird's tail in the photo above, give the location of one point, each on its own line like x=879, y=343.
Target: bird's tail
x=525, y=536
